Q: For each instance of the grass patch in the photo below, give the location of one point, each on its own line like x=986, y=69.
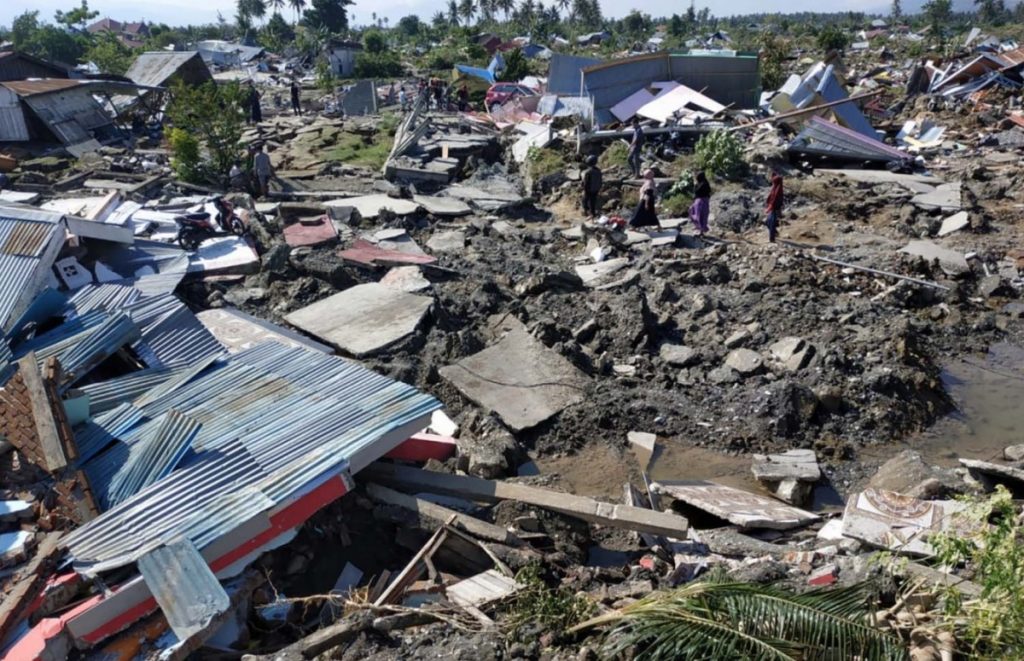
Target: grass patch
x=369, y=151
x=616, y=154
x=675, y=206
x=538, y=606
x=542, y=162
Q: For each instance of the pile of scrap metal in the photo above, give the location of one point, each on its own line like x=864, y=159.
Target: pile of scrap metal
x=827, y=120
x=146, y=464
x=431, y=149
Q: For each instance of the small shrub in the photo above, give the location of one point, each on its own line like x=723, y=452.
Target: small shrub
x=991, y=625
x=543, y=161
x=185, y=157
x=833, y=38
x=325, y=78
x=720, y=152
x=377, y=65
x=616, y=155
x=537, y=606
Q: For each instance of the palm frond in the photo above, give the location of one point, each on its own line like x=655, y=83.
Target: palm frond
x=738, y=620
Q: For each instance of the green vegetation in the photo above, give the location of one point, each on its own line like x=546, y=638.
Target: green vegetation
x=377, y=60
x=992, y=625
x=617, y=154
x=186, y=160
x=109, y=54
x=718, y=620
x=366, y=150
x=773, y=51
x=833, y=37
x=720, y=152
x=678, y=199
x=516, y=66
x=214, y=117
x=542, y=162
x=538, y=606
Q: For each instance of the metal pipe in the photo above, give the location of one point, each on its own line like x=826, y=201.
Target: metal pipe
x=888, y=274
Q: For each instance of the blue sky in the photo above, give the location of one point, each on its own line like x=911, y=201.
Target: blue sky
x=175, y=12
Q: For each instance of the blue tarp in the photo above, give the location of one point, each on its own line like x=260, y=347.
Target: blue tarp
x=489, y=75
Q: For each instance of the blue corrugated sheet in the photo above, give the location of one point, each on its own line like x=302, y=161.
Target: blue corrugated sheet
x=98, y=345
x=275, y=420
x=189, y=595
x=125, y=469
x=107, y=395
x=99, y=433
x=565, y=74
x=171, y=334
x=824, y=138
x=29, y=241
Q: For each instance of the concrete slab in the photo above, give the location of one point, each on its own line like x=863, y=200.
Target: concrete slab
x=947, y=197
x=592, y=274
x=801, y=465
x=18, y=197
x=363, y=319
x=955, y=223
x=450, y=241
x=881, y=177
x=371, y=206
x=742, y=508
x=405, y=278
x=950, y=260
x=224, y=255
x=520, y=379
x=896, y=522
x=368, y=254
x=239, y=331
x=310, y=232
x=663, y=237
x=491, y=199
x=535, y=135
x=994, y=473
x=442, y=206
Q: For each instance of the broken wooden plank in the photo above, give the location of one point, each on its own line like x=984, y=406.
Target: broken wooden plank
x=934, y=577
x=482, y=589
x=440, y=514
x=588, y=509
x=412, y=570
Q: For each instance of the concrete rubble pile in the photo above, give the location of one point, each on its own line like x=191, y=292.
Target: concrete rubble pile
x=419, y=378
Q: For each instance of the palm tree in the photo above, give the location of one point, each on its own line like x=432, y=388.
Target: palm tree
x=528, y=9
x=298, y=6
x=439, y=19
x=277, y=5
x=716, y=620
x=467, y=9
x=563, y=5
x=453, y=12
x=257, y=9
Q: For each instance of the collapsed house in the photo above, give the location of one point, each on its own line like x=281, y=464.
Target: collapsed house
x=15, y=65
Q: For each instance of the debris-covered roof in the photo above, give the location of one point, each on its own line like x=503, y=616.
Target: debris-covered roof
x=157, y=68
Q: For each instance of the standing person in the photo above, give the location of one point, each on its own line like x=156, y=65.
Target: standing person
x=296, y=104
x=645, y=215
x=403, y=99
x=701, y=206
x=255, y=112
x=773, y=206
x=635, y=147
x=263, y=170
x=236, y=176
x=592, y=180
x=463, y=98
x=439, y=94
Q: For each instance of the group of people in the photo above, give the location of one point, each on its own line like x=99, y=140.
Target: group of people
x=255, y=115
x=645, y=214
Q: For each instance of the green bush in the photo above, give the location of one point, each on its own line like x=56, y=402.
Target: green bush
x=325, y=78
x=616, y=155
x=214, y=117
x=833, y=38
x=378, y=65
x=185, y=157
x=537, y=605
x=720, y=152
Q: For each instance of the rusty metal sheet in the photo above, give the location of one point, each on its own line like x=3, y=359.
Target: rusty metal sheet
x=27, y=239
x=742, y=508
x=368, y=254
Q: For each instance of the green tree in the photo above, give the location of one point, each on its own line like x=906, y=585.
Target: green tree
x=297, y=6
x=410, y=25
x=330, y=15
x=467, y=10
x=516, y=67
x=676, y=26
x=109, y=54
x=374, y=41
x=453, y=12
x=636, y=25
x=832, y=38
x=24, y=29
x=439, y=20
x=77, y=17
x=214, y=116
x=276, y=34
x=938, y=14
x=773, y=53
x=991, y=12
x=897, y=11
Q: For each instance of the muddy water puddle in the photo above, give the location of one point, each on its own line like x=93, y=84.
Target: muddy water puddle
x=988, y=392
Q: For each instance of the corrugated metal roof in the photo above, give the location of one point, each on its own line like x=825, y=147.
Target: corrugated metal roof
x=115, y=478
x=108, y=395
x=186, y=589
x=12, y=124
x=826, y=138
x=44, y=86
x=102, y=343
x=274, y=420
x=30, y=241
x=96, y=435
x=155, y=68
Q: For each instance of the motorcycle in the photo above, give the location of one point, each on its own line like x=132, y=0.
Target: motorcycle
x=194, y=228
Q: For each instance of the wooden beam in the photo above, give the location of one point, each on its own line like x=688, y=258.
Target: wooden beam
x=588, y=509
x=441, y=514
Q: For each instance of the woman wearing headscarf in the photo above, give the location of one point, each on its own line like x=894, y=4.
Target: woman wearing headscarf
x=645, y=214
x=701, y=206
x=773, y=207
